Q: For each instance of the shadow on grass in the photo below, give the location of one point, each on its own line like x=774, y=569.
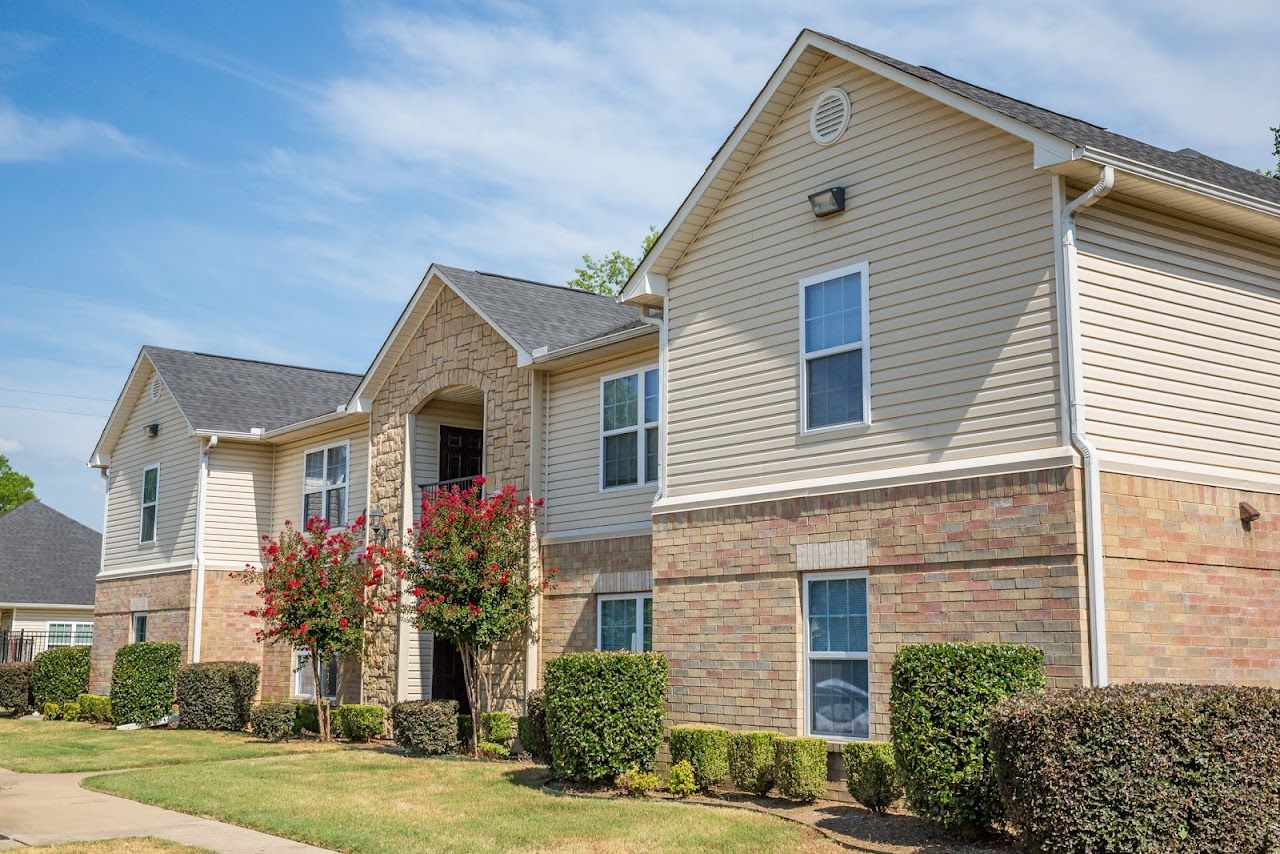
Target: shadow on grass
x=528, y=776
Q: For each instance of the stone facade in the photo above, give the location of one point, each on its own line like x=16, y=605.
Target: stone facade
x=1193, y=594
x=454, y=347
x=982, y=559
x=168, y=600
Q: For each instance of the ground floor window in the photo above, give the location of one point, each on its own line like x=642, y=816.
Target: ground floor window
x=837, y=683
x=70, y=634
x=625, y=622
x=304, y=680
x=139, y=628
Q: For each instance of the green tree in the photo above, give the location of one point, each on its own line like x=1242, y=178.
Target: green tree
x=1275, y=150
x=607, y=275
x=15, y=487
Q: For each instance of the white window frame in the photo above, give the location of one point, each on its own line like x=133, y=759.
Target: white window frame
x=144, y=504
x=346, y=486
x=637, y=640
x=863, y=268
x=73, y=626
x=298, y=655
x=806, y=699
x=640, y=428
x=133, y=627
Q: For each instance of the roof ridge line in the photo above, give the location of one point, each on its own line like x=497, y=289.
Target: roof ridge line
x=565, y=288
x=252, y=361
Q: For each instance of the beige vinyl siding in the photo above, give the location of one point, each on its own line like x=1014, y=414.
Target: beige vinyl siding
x=287, y=478
x=238, y=498
x=38, y=619
x=958, y=232
x=178, y=454
x=418, y=661
x=574, y=499
x=1181, y=341
x=426, y=440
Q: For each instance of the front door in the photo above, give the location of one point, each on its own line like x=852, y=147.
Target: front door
x=461, y=452
x=447, y=681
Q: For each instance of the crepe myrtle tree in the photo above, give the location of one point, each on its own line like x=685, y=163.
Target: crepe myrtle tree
x=318, y=588
x=467, y=569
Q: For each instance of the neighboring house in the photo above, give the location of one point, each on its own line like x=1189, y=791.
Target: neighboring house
x=47, y=566
x=1018, y=381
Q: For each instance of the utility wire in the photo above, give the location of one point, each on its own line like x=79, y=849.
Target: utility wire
x=55, y=394
x=52, y=411
x=61, y=361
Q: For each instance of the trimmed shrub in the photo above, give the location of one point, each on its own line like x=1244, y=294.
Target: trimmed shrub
x=464, y=732
x=273, y=721
x=939, y=705
x=751, y=761
x=493, y=750
x=95, y=708
x=309, y=718
x=706, y=748
x=216, y=694
x=59, y=675
x=635, y=783
x=680, y=781
x=605, y=712
x=426, y=726
x=870, y=775
x=71, y=711
x=15, y=687
x=51, y=711
x=800, y=767
x=360, y=721
x=1187, y=768
x=532, y=728
x=498, y=727
x=142, y=681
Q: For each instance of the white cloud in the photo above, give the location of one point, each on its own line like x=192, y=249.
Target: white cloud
x=10, y=446
x=24, y=136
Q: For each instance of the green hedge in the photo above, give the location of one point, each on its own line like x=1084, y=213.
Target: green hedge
x=939, y=705
x=142, y=681
x=532, y=727
x=71, y=711
x=15, y=687
x=605, y=712
x=360, y=721
x=870, y=775
x=50, y=710
x=309, y=717
x=1187, y=768
x=273, y=721
x=59, y=675
x=707, y=750
x=800, y=767
x=498, y=727
x=95, y=708
x=751, y=761
x=216, y=694
x=426, y=726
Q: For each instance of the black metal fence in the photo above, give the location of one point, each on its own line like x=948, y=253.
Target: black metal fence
x=24, y=645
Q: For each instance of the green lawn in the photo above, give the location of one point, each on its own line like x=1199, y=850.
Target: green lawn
x=126, y=845
x=51, y=746
x=362, y=800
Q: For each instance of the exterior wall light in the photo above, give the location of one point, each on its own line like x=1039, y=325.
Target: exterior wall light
x=152, y=430
x=376, y=527
x=827, y=202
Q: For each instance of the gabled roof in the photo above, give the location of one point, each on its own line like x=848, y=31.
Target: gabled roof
x=1057, y=139
x=46, y=558
x=533, y=317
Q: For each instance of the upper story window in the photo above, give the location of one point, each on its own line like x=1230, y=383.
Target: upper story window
x=629, y=429
x=324, y=485
x=150, y=503
x=835, y=360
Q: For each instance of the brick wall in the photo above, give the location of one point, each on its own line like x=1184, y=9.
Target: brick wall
x=227, y=633
x=1192, y=594
x=166, y=598
x=990, y=559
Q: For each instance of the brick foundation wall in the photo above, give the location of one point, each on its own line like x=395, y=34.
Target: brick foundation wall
x=583, y=570
x=166, y=598
x=1192, y=594
x=227, y=633
x=985, y=559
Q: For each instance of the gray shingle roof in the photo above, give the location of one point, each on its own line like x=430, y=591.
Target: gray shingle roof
x=537, y=315
x=1185, y=162
x=46, y=557
x=237, y=395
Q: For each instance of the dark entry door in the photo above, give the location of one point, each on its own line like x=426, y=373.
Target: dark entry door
x=447, y=681
x=461, y=452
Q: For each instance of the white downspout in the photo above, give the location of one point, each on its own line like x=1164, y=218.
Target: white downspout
x=1079, y=429
x=662, y=324
x=201, y=492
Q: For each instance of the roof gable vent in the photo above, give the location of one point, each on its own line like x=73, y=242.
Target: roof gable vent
x=155, y=389
x=829, y=117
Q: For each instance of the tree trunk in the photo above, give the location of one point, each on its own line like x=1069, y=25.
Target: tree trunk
x=470, y=665
x=322, y=705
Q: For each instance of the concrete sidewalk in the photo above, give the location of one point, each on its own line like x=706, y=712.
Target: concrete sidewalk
x=44, y=809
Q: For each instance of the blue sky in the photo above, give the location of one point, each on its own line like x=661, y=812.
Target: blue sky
x=270, y=180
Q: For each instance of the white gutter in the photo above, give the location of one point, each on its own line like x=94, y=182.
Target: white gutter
x=202, y=491
x=1079, y=429
x=663, y=342
x=542, y=358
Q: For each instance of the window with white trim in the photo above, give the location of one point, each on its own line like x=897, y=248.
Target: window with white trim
x=837, y=679
x=629, y=429
x=70, y=634
x=324, y=485
x=304, y=680
x=835, y=361
x=139, y=628
x=150, y=504
x=624, y=622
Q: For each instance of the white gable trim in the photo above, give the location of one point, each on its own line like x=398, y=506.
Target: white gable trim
x=133, y=390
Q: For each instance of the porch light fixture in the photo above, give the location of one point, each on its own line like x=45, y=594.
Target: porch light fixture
x=827, y=202
x=376, y=527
